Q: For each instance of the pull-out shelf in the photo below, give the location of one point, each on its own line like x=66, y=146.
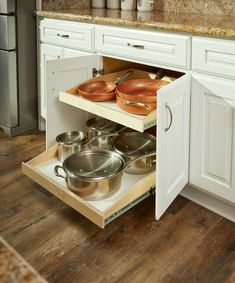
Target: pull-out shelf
x=134, y=188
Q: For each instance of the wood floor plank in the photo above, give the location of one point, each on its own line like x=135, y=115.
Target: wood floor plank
x=188, y=244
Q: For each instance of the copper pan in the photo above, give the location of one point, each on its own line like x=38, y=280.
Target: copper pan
x=101, y=90
x=140, y=90
x=134, y=107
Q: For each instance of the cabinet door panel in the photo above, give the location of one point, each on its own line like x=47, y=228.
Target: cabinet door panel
x=212, y=137
x=173, y=142
x=62, y=75
x=48, y=52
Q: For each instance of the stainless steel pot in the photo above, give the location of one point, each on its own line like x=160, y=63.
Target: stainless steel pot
x=69, y=143
x=135, y=144
x=94, y=174
x=98, y=131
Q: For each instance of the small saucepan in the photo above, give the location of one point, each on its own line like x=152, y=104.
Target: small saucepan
x=69, y=143
x=101, y=90
x=93, y=174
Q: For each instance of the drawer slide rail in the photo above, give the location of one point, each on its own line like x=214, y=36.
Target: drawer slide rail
x=129, y=206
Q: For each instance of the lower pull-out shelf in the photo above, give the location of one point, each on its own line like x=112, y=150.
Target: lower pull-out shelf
x=134, y=188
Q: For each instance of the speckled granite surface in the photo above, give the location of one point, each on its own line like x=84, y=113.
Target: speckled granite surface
x=14, y=269
x=215, y=7
x=219, y=26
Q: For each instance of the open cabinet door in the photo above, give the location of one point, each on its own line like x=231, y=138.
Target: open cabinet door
x=62, y=75
x=172, y=142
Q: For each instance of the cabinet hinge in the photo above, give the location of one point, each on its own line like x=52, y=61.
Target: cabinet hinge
x=97, y=73
x=129, y=206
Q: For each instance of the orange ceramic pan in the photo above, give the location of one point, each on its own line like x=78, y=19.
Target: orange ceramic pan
x=134, y=107
x=101, y=90
x=140, y=90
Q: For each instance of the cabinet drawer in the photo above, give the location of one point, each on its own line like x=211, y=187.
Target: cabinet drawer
x=149, y=47
x=68, y=34
x=134, y=188
x=214, y=56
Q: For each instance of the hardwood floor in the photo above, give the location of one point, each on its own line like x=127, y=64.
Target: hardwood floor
x=188, y=244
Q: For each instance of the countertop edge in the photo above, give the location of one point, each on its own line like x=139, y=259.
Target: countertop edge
x=196, y=30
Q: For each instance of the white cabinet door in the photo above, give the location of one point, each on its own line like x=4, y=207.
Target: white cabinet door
x=70, y=53
x=62, y=75
x=172, y=142
x=212, y=161
x=48, y=52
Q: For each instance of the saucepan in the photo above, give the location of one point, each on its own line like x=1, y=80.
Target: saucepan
x=101, y=90
x=94, y=174
x=135, y=144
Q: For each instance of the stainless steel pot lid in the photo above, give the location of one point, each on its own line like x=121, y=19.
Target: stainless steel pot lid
x=101, y=125
x=72, y=137
x=134, y=144
x=93, y=165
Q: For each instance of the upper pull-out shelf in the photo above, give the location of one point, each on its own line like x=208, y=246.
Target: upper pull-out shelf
x=109, y=109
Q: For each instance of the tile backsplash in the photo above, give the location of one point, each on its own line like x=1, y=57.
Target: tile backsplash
x=215, y=7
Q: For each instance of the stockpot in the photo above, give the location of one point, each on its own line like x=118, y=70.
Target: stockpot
x=94, y=174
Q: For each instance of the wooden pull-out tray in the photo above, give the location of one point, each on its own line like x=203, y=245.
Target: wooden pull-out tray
x=133, y=188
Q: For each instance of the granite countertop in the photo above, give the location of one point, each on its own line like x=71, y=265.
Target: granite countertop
x=14, y=269
x=210, y=25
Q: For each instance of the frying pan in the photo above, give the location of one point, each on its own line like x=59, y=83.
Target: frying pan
x=134, y=107
x=140, y=90
x=101, y=90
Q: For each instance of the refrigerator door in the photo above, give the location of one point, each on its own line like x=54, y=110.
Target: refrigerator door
x=7, y=6
x=7, y=32
x=8, y=93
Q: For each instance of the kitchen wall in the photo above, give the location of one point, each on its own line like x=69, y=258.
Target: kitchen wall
x=215, y=7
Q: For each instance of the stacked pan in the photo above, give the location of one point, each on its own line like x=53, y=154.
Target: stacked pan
x=138, y=96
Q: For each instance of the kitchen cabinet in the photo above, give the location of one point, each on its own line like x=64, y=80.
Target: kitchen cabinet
x=212, y=166
x=123, y=47
x=69, y=114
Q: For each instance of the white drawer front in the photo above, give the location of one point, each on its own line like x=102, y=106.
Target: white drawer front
x=214, y=56
x=150, y=47
x=68, y=34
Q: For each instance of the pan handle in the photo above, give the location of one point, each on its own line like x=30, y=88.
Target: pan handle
x=171, y=117
x=147, y=106
x=138, y=158
x=56, y=171
x=122, y=77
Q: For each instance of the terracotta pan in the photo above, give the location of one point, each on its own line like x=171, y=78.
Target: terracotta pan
x=140, y=90
x=101, y=90
x=134, y=107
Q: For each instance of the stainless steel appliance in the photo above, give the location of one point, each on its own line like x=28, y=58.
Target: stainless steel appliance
x=18, y=91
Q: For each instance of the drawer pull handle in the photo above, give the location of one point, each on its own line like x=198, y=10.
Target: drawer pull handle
x=148, y=107
x=63, y=35
x=135, y=46
x=171, y=117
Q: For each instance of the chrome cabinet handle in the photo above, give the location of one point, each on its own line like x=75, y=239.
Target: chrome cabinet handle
x=63, y=35
x=136, y=46
x=137, y=104
x=171, y=117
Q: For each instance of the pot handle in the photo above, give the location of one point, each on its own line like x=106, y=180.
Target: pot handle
x=140, y=157
x=56, y=171
x=147, y=106
x=104, y=136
